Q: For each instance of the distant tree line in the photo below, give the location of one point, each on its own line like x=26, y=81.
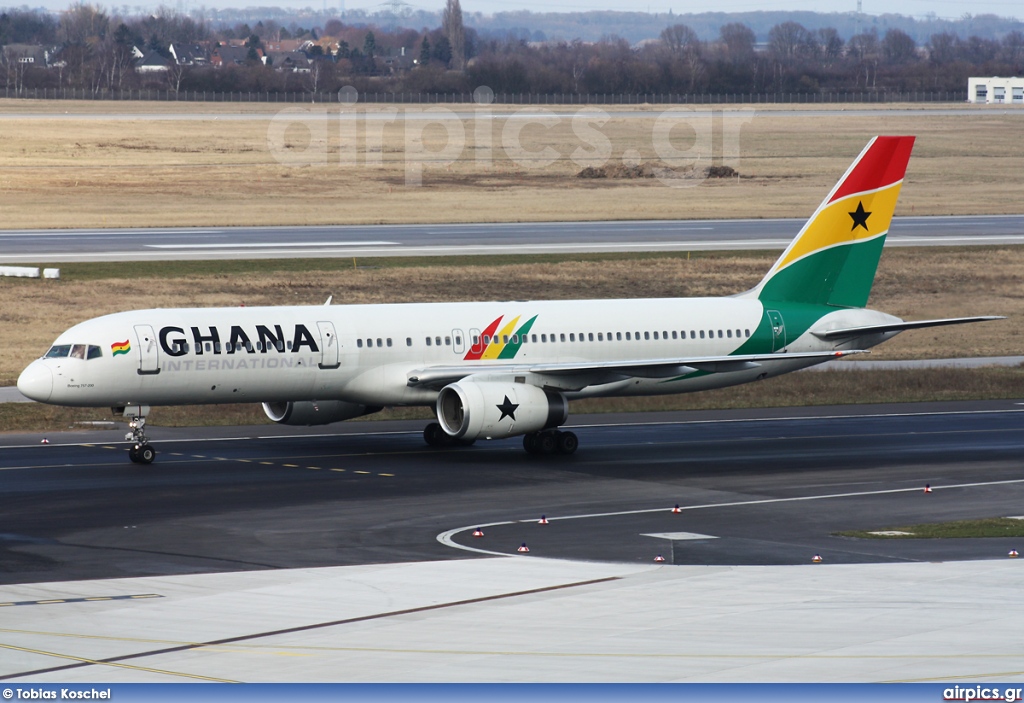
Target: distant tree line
x=98, y=51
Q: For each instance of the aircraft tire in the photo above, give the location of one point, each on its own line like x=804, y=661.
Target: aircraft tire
x=530, y=443
x=133, y=453
x=145, y=453
x=432, y=435
x=547, y=443
x=568, y=442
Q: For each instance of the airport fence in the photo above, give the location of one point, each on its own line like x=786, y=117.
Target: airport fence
x=343, y=96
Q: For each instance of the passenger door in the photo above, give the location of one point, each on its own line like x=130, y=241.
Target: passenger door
x=330, y=347
x=149, y=350
x=778, y=330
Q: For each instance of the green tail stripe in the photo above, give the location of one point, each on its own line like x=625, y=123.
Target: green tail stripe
x=510, y=350
x=841, y=276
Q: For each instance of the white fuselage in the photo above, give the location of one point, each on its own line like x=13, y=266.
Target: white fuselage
x=367, y=353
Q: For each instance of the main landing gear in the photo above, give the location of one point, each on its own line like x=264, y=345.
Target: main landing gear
x=546, y=442
x=141, y=452
x=551, y=442
x=434, y=436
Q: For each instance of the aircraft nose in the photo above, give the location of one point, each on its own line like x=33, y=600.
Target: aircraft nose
x=36, y=382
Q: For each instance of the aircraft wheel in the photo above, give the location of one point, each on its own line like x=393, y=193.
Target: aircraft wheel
x=547, y=443
x=568, y=442
x=433, y=435
x=133, y=453
x=531, y=443
x=145, y=453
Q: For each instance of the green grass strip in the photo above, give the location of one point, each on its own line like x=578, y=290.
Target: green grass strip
x=988, y=527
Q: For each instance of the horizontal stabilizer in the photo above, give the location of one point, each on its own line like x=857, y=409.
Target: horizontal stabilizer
x=440, y=376
x=900, y=327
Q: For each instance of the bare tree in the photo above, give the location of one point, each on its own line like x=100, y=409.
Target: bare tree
x=451, y=22
x=738, y=40
x=898, y=48
x=865, y=50
x=831, y=44
x=1013, y=49
x=83, y=24
x=790, y=41
x=943, y=48
x=680, y=40
x=314, y=79
x=175, y=74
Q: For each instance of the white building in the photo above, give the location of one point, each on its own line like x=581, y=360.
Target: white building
x=1001, y=91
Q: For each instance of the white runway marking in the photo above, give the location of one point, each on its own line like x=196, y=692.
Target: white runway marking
x=447, y=538
x=677, y=536
x=270, y=245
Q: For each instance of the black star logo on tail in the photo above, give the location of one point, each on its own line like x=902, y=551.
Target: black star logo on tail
x=508, y=409
x=860, y=217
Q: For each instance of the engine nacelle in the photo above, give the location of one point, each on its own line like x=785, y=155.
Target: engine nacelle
x=323, y=412
x=475, y=410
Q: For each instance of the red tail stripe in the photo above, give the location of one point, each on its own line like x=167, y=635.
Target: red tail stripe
x=884, y=164
x=474, y=355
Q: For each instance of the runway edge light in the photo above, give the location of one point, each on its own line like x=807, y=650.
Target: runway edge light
x=543, y=520
x=677, y=509
x=523, y=548
x=927, y=488
x=816, y=559
x=478, y=532
x=1012, y=554
x=658, y=559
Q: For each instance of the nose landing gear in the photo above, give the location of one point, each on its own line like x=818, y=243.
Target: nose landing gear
x=141, y=452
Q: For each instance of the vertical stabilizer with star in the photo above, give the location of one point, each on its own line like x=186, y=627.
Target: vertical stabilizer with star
x=833, y=259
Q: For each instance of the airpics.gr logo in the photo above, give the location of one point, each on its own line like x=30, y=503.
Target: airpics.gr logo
x=120, y=348
x=503, y=344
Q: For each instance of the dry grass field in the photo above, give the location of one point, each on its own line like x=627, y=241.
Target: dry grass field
x=149, y=167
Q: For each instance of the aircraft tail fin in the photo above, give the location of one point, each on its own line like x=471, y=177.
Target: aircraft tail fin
x=832, y=261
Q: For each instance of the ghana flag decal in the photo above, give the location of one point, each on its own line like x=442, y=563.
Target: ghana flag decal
x=120, y=348
x=503, y=343
x=833, y=259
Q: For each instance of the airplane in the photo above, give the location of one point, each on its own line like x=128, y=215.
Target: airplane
x=493, y=370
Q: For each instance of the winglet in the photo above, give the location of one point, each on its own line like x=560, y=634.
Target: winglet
x=832, y=261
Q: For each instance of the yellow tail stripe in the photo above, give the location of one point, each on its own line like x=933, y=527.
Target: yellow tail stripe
x=495, y=347
x=833, y=224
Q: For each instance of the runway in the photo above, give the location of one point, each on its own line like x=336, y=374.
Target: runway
x=165, y=244
x=759, y=487
x=279, y=554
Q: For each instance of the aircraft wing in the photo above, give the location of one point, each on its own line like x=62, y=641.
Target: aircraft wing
x=610, y=371
x=900, y=326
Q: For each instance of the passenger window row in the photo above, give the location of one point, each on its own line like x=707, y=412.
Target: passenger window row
x=613, y=336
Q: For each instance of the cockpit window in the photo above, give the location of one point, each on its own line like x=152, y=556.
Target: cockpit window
x=75, y=351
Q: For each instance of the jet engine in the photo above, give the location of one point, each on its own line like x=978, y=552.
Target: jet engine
x=475, y=410
x=323, y=412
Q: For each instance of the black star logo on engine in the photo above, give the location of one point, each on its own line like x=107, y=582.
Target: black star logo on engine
x=508, y=409
x=860, y=217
